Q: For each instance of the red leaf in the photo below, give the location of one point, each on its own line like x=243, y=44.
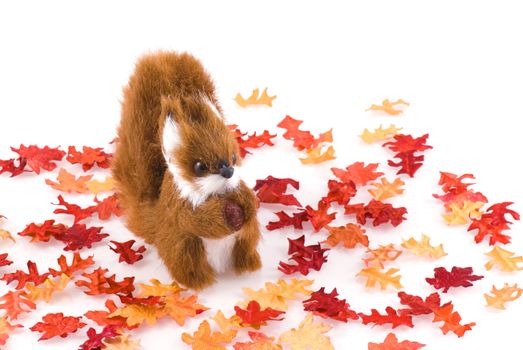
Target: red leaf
x=4, y=261
x=406, y=143
x=391, y=317
x=458, y=276
x=78, y=237
x=9, y=166
x=40, y=158
x=408, y=163
x=94, y=340
x=254, y=317
x=456, y=191
x=102, y=317
x=57, y=325
x=76, y=265
x=302, y=139
x=271, y=190
x=340, y=192
x=127, y=254
x=320, y=218
x=493, y=223
x=43, y=232
x=306, y=257
x=391, y=343
x=328, y=305
x=358, y=173
x=108, y=206
x=252, y=141
x=13, y=303
x=100, y=284
x=379, y=211
x=418, y=306
x=78, y=212
x=451, y=319
x=296, y=220
x=22, y=278
x=88, y=157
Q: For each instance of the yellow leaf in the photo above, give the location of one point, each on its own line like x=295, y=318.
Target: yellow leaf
x=375, y=275
x=461, y=214
x=227, y=324
x=382, y=254
x=121, y=342
x=136, y=314
x=505, y=259
x=308, y=335
x=95, y=186
x=47, y=289
x=501, y=296
x=388, y=106
x=203, y=339
x=314, y=155
x=379, y=134
x=423, y=247
x=5, y=234
x=386, y=190
x=255, y=99
x=179, y=308
x=67, y=182
x=275, y=295
x=158, y=289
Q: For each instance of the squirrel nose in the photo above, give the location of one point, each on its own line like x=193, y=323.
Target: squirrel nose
x=227, y=172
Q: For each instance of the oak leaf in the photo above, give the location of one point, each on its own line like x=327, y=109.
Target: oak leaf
x=88, y=157
x=158, y=289
x=272, y=190
x=4, y=261
x=103, y=318
x=296, y=220
x=180, y=308
x=493, y=222
x=259, y=341
x=451, y=319
x=78, y=212
x=253, y=316
x=47, y=289
x=43, y=232
x=340, y=192
x=95, y=186
x=302, y=140
x=457, y=277
x=378, y=211
x=67, y=182
x=57, y=325
x=79, y=236
x=423, y=247
x=255, y=99
x=251, y=141
x=320, y=217
x=275, y=295
x=375, y=275
x=77, y=264
x=350, y=235
x=418, y=306
x=107, y=207
x=8, y=166
x=226, y=324
x=314, y=155
x=306, y=257
x=460, y=213
x=386, y=189
x=308, y=335
x=379, y=134
x=135, y=314
x=98, y=283
x=203, y=339
x=388, y=106
x=15, y=303
x=327, y=305
x=358, y=173
x=22, y=277
x=121, y=342
x=505, y=259
x=391, y=343
x=381, y=255
x=503, y=295
x=6, y=328
x=94, y=340
x=391, y=317
x=127, y=254
x=40, y=158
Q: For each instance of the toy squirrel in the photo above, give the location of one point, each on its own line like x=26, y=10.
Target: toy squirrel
x=176, y=168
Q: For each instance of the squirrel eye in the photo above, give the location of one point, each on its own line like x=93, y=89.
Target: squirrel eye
x=199, y=168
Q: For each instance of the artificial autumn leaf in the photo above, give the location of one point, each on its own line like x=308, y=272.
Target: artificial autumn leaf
x=253, y=316
x=303, y=140
x=94, y=340
x=8, y=166
x=15, y=303
x=95, y=186
x=22, y=277
x=79, y=236
x=386, y=189
x=57, y=325
x=252, y=141
x=408, y=144
x=203, y=339
x=358, y=173
x=493, y=223
x=100, y=284
x=255, y=99
x=136, y=313
x=121, y=342
x=504, y=259
x=388, y=106
x=77, y=264
x=375, y=275
x=47, y=289
x=314, y=155
x=451, y=319
x=457, y=277
x=272, y=190
x=296, y=220
x=418, y=306
x=462, y=212
x=408, y=163
x=350, y=235
x=382, y=254
x=391, y=343
x=103, y=318
x=4, y=261
x=379, y=211
x=275, y=295
x=179, y=309
x=78, y=212
x=107, y=207
x=501, y=296
x=391, y=317
x=67, y=182
x=340, y=192
x=88, y=157
x=456, y=191
x=158, y=289
x=320, y=218
x=127, y=254
x=43, y=232
x=259, y=341
x=306, y=257
x=4, y=234
x=227, y=324
x=6, y=328
x=308, y=335
x=40, y=158
x=327, y=305
x=423, y=247
x=379, y=134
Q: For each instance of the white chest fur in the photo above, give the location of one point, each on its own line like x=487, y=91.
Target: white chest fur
x=219, y=252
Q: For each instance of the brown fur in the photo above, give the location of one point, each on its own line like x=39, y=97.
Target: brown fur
x=167, y=83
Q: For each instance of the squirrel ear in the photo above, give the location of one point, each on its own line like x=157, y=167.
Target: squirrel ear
x=170, y=108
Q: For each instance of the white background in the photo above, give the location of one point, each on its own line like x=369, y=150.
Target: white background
x=63, y=66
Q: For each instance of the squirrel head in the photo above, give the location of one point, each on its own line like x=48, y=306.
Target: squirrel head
x=201, y=152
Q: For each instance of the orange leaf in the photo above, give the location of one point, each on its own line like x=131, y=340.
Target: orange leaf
x=350, y=235
x=451, y=319
x=423, y=247
x=388, y=106
x=375, y=275
x=67, y=182
x=382, y=254
x=49, y=287
x=259, y=341
x=227, y=324
x=95, y=186
x=358, y=173
x=121, y=342
x=5, y=234
x=501, y=296
x=136, y=314
x=314, y=155
x=158, y=289
x=275, y=295
x=6, y=328
x=379, y=134
x=13, y=303
x=391, y=343
x=461, y=212
x=203, y=339
x=504, y=259
x=255, y=99
x=386, y=189
x=179, y=308
x=308, y=335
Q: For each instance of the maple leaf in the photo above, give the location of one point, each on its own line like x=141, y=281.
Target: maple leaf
x=40, y=158
x=6, y=328
x=15, y=303
x=391, y=343
x=259, y=341
x=127, y=254
x=67, y=182
x=77, y=264
x=106, y=207
x=79, y=236
x=88, y=157
x=505, y=259
x=78, y=212
x=388, y=106
x=104, y=319
x=22, y=277
x=493, y=223
x=391, y=317
x=179, y=308
x=302, y=140
x=340, y=192
x=94, y=340
x=328, y=305
x=203, y=339
x=57, y=325
x=4, y=261
x=308, y=335
x=458, y=276
x=227, y=324
x=296, y=220
x=423, y=247
x=358, y=173
x=306, y=257
x=501, y=296
x=95, y=186
x=275, y=295
x=418, y=306
x=382, y=254
x=451, y=319
x=386, y=189
x=462, y=212
x=314, y=155
x=43, y=232
x=379, y=211
x=100, y=284
x=320, y=217
x=121, y=342
x=158, y=289
x=350, y=235
x=253, y=316
x=272, y=190
x=375, y=275
x=48, y=288
x=379, y=134
x=8, y=166
x=255, y=99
